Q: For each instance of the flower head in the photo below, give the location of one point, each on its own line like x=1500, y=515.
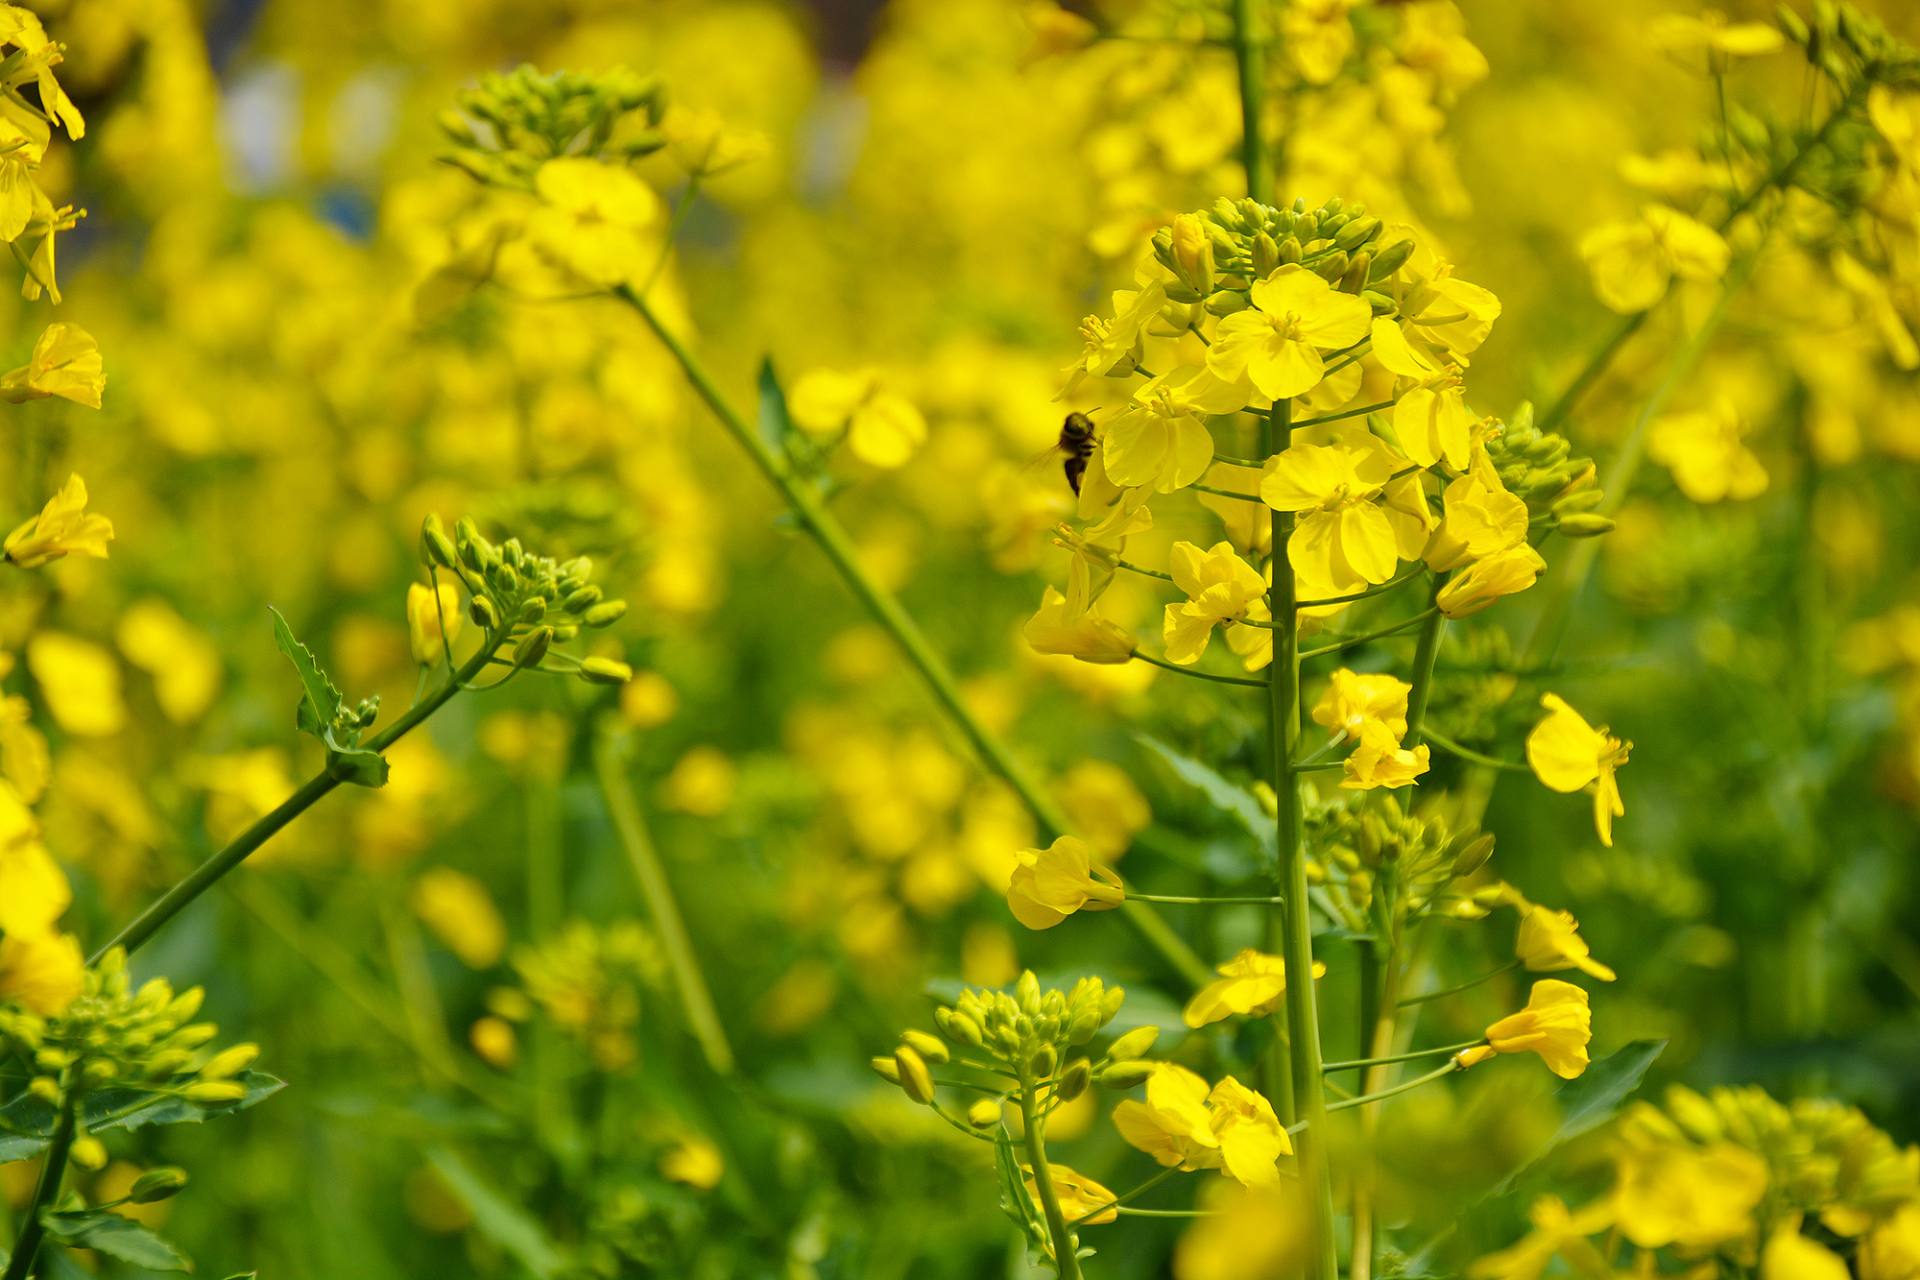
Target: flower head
x=1252, y=984
x=1359, y=512
x=65, y=362
x=1380, y=760
x=62, y=528
x=1066, y=624
x=1634, y=262
x=1556, y=1024
x=434, y=619
x=1221, y=589
x=1276, y=343
x=882, y=427
x=1353, y=701
x=1550, y=941
x=1707, y=453
x=1051, y=884
x=1569, y=754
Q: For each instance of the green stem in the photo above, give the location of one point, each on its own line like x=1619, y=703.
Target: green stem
x=1254, y=159
x=1389, y=1059
x=1218, y=492
x=1205, y=902
x=204, y=876
x=45, y=1193
x=1125, y=1196
x=1414, y=1083
x=1469, y=985
x=1382, y=589
x=643, y=858
x=1468, y=754
x=1177, y=669
x=1064, y=1248
x=812, y=515
x=1350, y=642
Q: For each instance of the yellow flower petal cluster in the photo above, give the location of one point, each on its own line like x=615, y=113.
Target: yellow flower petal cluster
x=881, y=426
x=1083, y=1201
x=434, y=620
x=65, y=362
x=1221, y=590
x=1251, y=985
x=1276, y=345
x=1556, y=1024
x=1360, y=510
x=1634, y=262
x=1568, y=755
x=1550, y=941
x=1706, y=450
x=1066, y=623
x=596, y=221
x=64, y=527
x=1185, y=1125
x=1050, y=884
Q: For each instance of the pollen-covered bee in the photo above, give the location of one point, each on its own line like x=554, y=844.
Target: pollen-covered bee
x=1077, y=442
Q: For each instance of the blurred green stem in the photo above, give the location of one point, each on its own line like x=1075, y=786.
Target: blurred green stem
x=812, y=515
x=1248, y=55
x=650, y=876
x=46, y=1193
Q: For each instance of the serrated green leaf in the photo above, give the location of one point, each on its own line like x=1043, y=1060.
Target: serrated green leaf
x=1591, y=1099
x=1235, y=801
x=117, y=1237
x=322, y=700
x=124, y=1108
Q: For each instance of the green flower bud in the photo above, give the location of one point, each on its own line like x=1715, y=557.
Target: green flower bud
x=1391, y=259
x=961, y=1028
x=1133, y=1044
x=157, y=1184
x=605, y=671
x=1356, y=233
x=1332, y=267
x=1043, y=1061
x=214, y=1093
x=1473, y=855
x=1074, y=1080
x=889, y=1069
x=605, y=613
x=1125, y=1075
x=1584, y=525
x=984, y=1114
x=1266, y=255
x=481, y=610
x=435, y=546
x=532, y=648
x=915, y=1080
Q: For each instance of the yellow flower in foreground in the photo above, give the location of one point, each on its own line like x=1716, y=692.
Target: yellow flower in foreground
x=1161, y=438
x=1251, y=1139
x=434, y=619
x=1112, y=345
x=81, y=683
x=1557, y=1232
x=461, y=914
x=1358, y=517
x=1250, y=1233
x=1083, y=1200
x=1502, y=574
x=1184, y=1125
x=42, y=971
x=1634, y=262
x=1707, y=453
x=1668, y=1193
x=1569, y=754
x=882, y=427
x=1276, y=343
x=1550, y=941
x=1380, y=761
x=1481, y=519
x=596, y=221
x=1710, y=32
x=1791, y=1256
x=1221, y=589
x=1556, y=1024
x=1353, y=701
x=62, y=528
x=1252, y=984
x=1066, y=624
x=1051, y=884
x=1433, y=424
x=65, y=362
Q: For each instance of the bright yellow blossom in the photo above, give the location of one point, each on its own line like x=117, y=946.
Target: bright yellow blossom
x=1359, y=516
x=1051, y=884
x=1556, y=1024
x=1353, y=701
x=1481, y=519
x=1669, y=1193
x=882, y=427
x=1434, y=425
x=63, y=527
x=1380, y=761
x=1112, y=346
x=1172, y=1125
x=1066, y=624
x=1251, y=985
x=1707, y=453
x=1248, y=1233
x=1221, y=589
x=43, y=971
x=1791, y=1256
x=1568, y=754
x=65, y=362
x=1550, y=941
x=1083, y=1200
x=1634, y=262
x=596, y=221
x=1494, y=577
x=1251, y=1138
x=1161, y=440
x=434, y=620
x=694, y=1162
x=1276, y=343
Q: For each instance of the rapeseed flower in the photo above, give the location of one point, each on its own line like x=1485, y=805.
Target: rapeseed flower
x=1568, y=754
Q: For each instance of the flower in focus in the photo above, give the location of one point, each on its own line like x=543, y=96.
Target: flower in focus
x=1550, y=941
x=1276, y=343
x=1568, y=754
x=1353, y=701
x=1556, y=1024
x=1051, y=884
x=62, y=528
x=1066, y=624
x=1494, y=577
x=1172, y=1125
x=434, y=619
x=1112, y=345
x=1251, y=985
x=1358, y=515
x=1380, y=760
x=1707, y=453
x=882, y=427
x=65, y=362
x=1251, y=1138
x=1480, y=519
x=1161, y=438
x=1221, y=589
x=1634, y=262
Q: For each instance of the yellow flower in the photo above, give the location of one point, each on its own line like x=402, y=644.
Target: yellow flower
x=703, y=144
x=1710, y=32
x=1634, y=262
x=694, y=1162
x=1250, y=1136
x=434, y=619
x=40, y=967
x=1707, y=453
x=702, y=783
x=1556, y=1024
x=461, y=914
x=1892, y=1252
x=1161, y=439
x=1276, y=343
x=1557, y=1232
x=1352, y=702
x=1083, y=1201
x=81, y=683
x=1438, y=319
x=882, y=427
x=65, y=362
x=1220, y=587
x=1481, y=519
x=1357, y=521
x=1380, y=761
x=1249, y=1233
x=62, y=528
x=1051, y=884
x=1501, y=574
x=1112, y=346
x=1791, y=1256
x=1671, y=1194
x=1066, y=624
x=596, y=220
x=42, y=971
x=1251, y=985
x=1569, y=754
x=1550, y=941
x=1318, y=37
x=1172, y=1125
x=34, y=893
x=1433, y=424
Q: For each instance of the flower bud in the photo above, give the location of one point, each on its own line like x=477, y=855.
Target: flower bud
x=1332, y=267
x=984, y=1114
x=1125, y=1075
x=435, y=546
x=915, y=1080
x=1266, y=255
x=481, y=610
x=230, y=1062
x=1356, y=233
x=1074, y=1080
x=1043, y=1061
x=932, y=1048
x=214, y=1092
x=1391, y=259
x=1584, y=524
x=532, y=648
x=1133, y=1044
x=605, y=613
x=157, y=1184
x=961, y=1028
x=89, y=1153
x=605, y=671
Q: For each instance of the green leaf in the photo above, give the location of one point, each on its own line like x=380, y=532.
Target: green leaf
x=497, y=1217
x=776, y=424
x=321, y=700
x=125, y=1108
x=115, y=1236
x=354, y=763
x=1592, y=1099
x=1236, y=801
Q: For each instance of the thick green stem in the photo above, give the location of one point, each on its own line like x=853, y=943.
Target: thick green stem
x=208, y=873
x=45, y=1194
x=812, y=515
x=650, y=875
x=1064, y=1249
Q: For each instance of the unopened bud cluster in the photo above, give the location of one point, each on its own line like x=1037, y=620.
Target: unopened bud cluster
x=1561, y=488
x=503, y=130
x=1360, y=842
x=526, y=603
x=1218, y=254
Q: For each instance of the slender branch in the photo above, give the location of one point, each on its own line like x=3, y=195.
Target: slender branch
x=1382, y=589
x=1198, y=675
x=1469, y=985
x=1125, y=1196
x=1349, y=642
x=1415, y=1083
x=1386, y=1060
x=1225, y=493
x=1205, y=902
x=1344, y=414
x=1142, y=570
x=1453, y=748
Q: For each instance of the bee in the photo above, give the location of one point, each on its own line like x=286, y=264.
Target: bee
x=1077, y=443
